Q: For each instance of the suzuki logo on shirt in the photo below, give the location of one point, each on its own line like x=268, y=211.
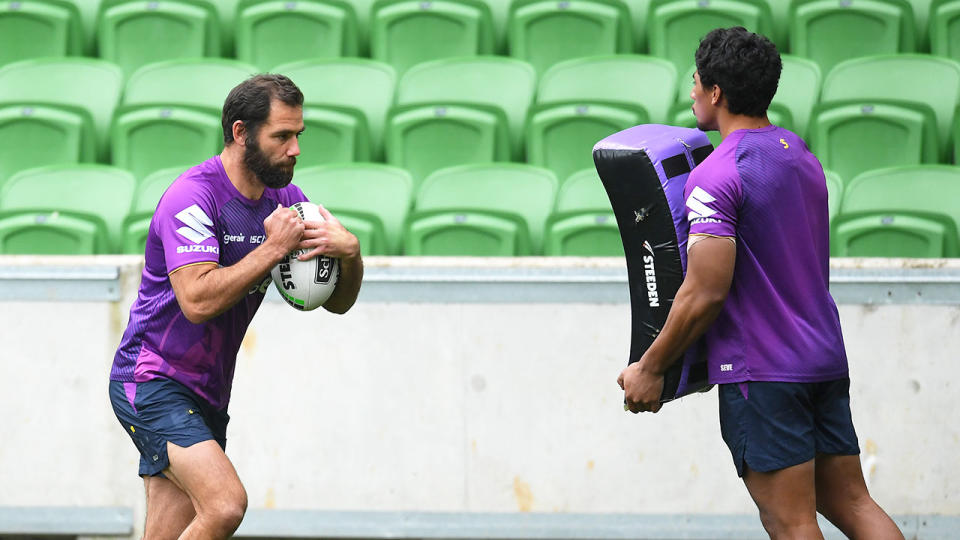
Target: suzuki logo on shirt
x=197, y=223
x=697, y=204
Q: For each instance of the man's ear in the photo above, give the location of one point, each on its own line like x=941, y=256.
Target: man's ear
x=716, y=94
x=240, y=132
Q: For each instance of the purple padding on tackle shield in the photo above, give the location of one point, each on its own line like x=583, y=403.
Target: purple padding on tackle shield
x=644, y=170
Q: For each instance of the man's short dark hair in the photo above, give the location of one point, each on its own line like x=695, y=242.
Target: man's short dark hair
x=746, y=66
x=250, y=101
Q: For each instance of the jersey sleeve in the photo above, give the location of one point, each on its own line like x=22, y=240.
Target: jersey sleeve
x=713, y=202
x=185, y=226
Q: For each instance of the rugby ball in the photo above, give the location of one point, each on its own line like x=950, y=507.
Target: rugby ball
x=306, y=285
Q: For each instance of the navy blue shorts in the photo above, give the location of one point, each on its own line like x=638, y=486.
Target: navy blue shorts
x=780, y=424
x=161, y=410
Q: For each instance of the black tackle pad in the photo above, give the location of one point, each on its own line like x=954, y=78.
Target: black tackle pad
x=644, y=170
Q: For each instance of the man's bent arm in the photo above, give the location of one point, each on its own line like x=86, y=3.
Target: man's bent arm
x=710, y=264
x=205, y=290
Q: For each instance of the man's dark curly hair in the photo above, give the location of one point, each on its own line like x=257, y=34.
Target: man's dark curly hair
x=746, y=66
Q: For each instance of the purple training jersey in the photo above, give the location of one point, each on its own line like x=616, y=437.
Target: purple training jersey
x=201, y=218
x=764, y=188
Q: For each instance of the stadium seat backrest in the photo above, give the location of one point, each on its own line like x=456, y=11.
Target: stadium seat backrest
x=34, y=135
x=506, y=83
x=271, y=32
x=404, y=33
x=583, y=190
x=133, y=33
x=638, y=13
x=931, y=80
x=676, y=26
x=201, y=82
x=854, y=136
x=828, y=32
x=799, y=90
x=362, y=84
x=363, y=188
x=630, y=79
x=98, y=190
x=544, y=32
x=902, y=211
x=87, y=83
x=39, y=28
x=524, y=190
x=922, y=188
x=944, y=28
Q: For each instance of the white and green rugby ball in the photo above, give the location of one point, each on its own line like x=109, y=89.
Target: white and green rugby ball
x=306, y=285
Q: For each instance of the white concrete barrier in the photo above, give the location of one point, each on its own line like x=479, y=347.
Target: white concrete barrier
x=462, y=385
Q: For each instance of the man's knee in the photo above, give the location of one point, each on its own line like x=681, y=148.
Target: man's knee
x=227, y=511
x=789, y=524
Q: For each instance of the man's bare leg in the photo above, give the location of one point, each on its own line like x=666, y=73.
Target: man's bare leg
x=206, y=475
x=169, y=509
x=842, y=498
x=787, y=501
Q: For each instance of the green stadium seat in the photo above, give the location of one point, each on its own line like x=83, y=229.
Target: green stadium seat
x=33, y=135
x=544, y=32
x=459, y=110
x=362, y=9
x=944, y=28
x=828, y=32
x=900, y=212
x=356, y=84
x=133, y=33
x=561, y=135
x=834, y=192
x=677, y=26
x=69, y=84
x=931, y=80
x=372, y=200
x=623, y=78
x=780, y=12
x=39, y=28
x=171, y=113
x=583, y=100
x=145, y=199
x=404, y=33
x=272, y=32
x=65, y=209
x=854, y=136
x=583, y=223
x=495, y=209
x=799, y=90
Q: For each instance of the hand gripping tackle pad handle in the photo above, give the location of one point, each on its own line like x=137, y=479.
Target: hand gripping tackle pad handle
x=644, y=170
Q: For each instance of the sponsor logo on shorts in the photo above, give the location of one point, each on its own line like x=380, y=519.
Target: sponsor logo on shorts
x=198, y=249
x=699, y=211
x=650, y=275
x=726, y=367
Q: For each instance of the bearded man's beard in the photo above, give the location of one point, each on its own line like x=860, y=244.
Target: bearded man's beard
x=270, y=174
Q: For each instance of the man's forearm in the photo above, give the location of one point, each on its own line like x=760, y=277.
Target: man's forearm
x=348, y=285
x=215, y=290
x=690, y=316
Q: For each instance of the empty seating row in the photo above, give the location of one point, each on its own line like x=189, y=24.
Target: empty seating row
x=480, y=209
x=494, y=209
x=870, y=113
x=403, y=33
